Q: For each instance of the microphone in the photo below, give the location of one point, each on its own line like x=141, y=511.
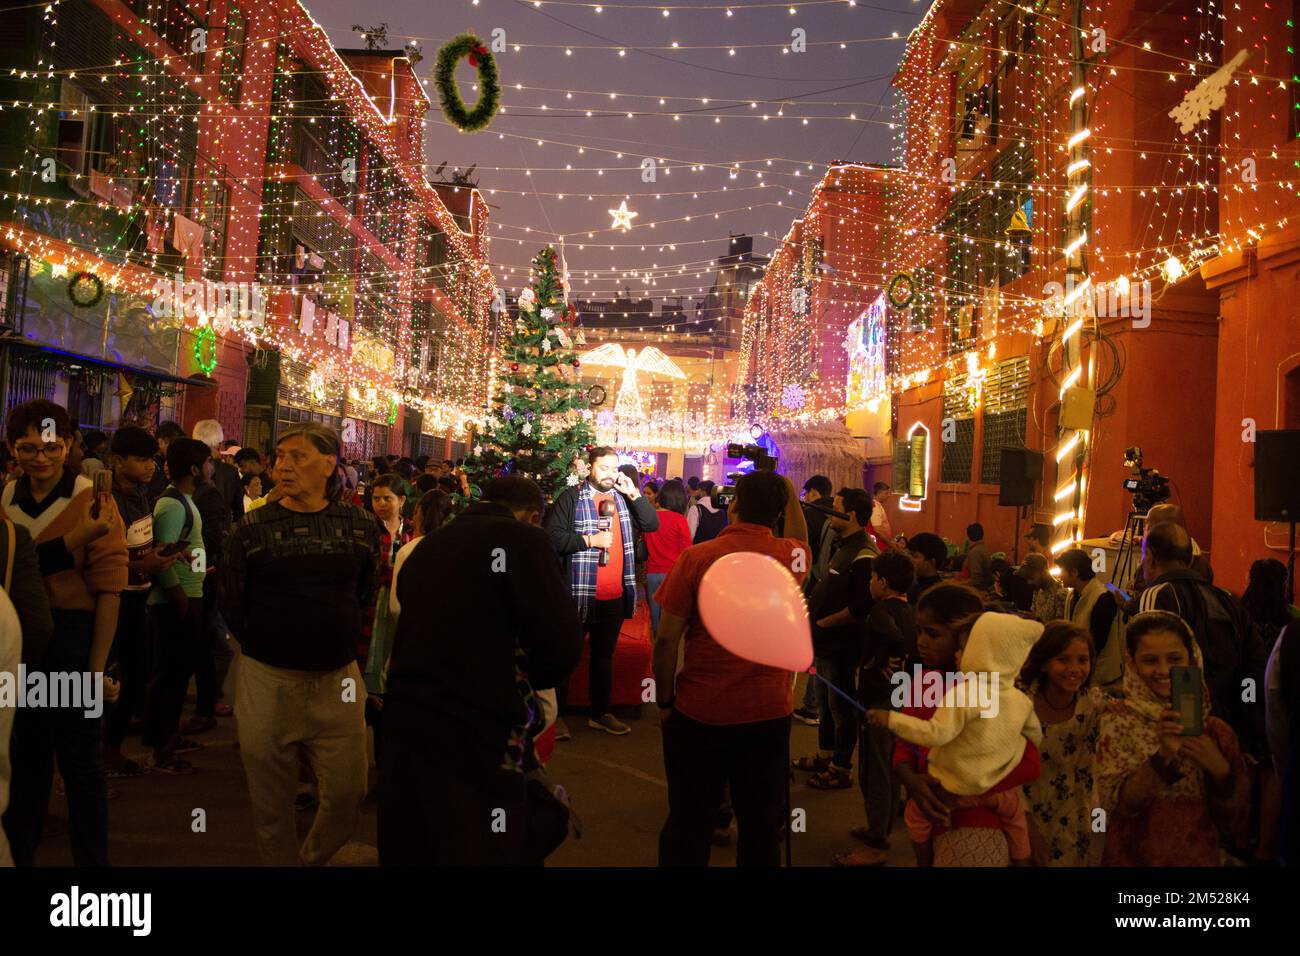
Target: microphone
x=606, y=510
x=823, y=508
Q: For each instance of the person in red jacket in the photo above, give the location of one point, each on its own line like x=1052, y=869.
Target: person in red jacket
x=666, y=544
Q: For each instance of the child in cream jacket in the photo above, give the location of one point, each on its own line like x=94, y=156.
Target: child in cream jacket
x=978, y=734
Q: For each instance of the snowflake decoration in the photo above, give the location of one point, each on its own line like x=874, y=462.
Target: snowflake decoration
x=478, y=451
x=793, y=396
x=548, y=313
x=1206, y=96
x=572, y=480
x=546, y=345
x=527, y=429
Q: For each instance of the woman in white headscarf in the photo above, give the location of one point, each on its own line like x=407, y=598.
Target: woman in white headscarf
x=1169, y=799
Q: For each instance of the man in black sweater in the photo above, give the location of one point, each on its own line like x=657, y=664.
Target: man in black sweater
x=486, y=618
x=295, y=580
x=605, y=594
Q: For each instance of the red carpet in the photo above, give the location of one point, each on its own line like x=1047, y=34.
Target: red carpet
x=631, y=664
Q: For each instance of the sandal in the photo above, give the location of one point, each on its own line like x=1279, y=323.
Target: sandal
x=127, y=768
x=831, y=779
x=818, y=764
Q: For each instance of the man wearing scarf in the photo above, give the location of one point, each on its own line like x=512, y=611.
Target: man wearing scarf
x=605, y=594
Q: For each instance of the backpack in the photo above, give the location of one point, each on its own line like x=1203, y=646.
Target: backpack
x=186, y=528
x=710, y=524
x=1230, y=647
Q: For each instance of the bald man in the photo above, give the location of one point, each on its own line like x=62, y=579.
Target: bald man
x=1169, y=512
x=1232, y=651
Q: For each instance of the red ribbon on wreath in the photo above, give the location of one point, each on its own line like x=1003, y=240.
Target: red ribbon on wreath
x=473, y=57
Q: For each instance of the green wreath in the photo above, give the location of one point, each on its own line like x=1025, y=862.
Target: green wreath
x=85, y=300
x=206, y=335
x=893, y=290
x=444, y=78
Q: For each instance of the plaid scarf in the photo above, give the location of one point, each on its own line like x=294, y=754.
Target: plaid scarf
x=582, y=576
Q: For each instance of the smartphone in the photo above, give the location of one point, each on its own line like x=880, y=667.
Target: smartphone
x=103, y=489
x=1118, y=592
x=1188, y=698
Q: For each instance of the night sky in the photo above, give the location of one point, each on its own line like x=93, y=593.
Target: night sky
x=825, y=84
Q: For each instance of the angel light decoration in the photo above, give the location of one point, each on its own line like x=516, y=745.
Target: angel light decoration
x=650, y=360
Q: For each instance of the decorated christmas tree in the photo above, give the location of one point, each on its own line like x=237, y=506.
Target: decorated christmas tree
x=540, y=419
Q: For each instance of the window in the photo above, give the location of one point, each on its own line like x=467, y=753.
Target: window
x=74, y=124
x=1012, y=174
x=1006, y=395
x=211, y=210
x=232, y=55
x=959, y=425
x=920, y=311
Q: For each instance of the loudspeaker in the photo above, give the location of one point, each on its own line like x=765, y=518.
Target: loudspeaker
x=1277, y=475
x=1022, y=469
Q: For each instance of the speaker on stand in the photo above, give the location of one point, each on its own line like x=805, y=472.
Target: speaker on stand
x=1021, y=471
x=1277, y=488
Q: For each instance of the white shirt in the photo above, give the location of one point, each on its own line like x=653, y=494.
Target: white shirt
x=879, y=520
x=402, y=554
x=693, y=516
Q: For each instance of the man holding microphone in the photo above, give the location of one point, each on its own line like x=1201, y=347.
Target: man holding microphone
x=591, y=525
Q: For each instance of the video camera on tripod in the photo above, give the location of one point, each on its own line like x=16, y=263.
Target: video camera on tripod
x=1147, y=486
x=723, y=495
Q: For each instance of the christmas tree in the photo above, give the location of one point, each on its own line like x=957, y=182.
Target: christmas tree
x=540, y=419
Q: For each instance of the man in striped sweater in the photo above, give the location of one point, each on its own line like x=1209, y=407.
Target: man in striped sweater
x=82, y=552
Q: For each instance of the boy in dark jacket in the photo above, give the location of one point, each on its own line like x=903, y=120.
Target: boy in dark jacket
x=890, y=645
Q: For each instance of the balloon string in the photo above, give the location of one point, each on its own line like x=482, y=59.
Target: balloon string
x=813, y=672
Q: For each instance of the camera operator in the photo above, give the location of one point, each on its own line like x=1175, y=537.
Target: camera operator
x=603, y=588
x=726, y=720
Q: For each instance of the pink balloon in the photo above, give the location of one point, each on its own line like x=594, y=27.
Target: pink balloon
x=751, y=605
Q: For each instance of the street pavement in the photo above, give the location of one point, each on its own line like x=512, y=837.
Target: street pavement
x=616, y=783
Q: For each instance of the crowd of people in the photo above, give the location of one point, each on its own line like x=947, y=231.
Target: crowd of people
x=388, y=615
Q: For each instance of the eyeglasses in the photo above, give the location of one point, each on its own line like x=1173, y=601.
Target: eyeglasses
x=53, y=449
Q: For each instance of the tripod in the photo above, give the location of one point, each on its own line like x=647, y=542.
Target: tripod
x=1130, y=554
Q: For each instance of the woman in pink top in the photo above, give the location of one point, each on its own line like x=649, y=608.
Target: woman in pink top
x=666, y=544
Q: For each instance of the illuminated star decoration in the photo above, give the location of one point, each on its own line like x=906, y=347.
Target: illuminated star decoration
x=622, y=217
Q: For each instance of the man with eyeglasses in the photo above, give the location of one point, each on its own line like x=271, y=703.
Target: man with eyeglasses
x=82, y=552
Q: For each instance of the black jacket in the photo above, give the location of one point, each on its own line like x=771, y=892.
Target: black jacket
x=470, y=593
x=27, y=591
x=559, y=525
x=847, y=585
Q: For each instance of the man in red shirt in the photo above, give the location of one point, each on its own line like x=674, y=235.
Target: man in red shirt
x=726, y=720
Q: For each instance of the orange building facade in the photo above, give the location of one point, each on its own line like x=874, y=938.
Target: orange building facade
x=228, y=142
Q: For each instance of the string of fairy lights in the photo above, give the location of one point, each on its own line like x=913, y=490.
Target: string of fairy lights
x=1188, y=210
x=1179, y=230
